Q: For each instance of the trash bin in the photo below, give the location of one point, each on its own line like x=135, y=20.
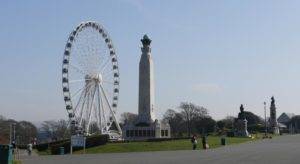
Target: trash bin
x=61, y=150
x=6, y=154
x=223, y=141
x=204, y=142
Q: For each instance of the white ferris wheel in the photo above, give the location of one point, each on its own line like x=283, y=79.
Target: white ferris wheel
x=90, y=81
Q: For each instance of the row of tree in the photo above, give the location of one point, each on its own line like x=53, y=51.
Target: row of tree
x=191, y=119
x=184, y=121
x=25, y=132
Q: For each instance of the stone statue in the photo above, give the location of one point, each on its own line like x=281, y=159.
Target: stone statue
x=242, y=113
x=146, y=41
x=272, y=100
x=241, y=124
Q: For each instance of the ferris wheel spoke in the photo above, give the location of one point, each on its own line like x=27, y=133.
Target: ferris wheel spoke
x=105, y=92
x=86, y=110
x=83, y=88
x=81, y=80
x=109, y=73
x=108, y=82
x=96, y=113
x=111, y=111
x=104, y=65
x=90, y=110
x=99, y=109
x=102, y=107
x=78, y=69
x=82, y=113
x=80, y=99
x=78, y=91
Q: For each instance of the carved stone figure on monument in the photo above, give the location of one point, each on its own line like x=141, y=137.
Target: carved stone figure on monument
x=242, y=113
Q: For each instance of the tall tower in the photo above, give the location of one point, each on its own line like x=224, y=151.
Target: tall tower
x=146, y=126
x=146, y=84
x=273, y=118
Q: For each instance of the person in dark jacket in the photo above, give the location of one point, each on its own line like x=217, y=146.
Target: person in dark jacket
x=194, y=142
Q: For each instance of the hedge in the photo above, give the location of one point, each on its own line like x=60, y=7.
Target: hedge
x=45, y=146
x=90, y=142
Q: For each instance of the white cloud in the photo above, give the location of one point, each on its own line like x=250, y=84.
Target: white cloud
x=207, y=88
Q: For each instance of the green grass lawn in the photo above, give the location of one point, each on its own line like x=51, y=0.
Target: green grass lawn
x=16, y=162
x=183, y=144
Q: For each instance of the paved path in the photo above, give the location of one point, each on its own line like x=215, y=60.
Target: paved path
x=280, y=150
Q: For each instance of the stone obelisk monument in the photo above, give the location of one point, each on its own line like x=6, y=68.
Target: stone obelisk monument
x=146, y=84
x=146, y=126
x=273, y=119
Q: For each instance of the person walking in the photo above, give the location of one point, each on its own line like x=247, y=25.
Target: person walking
x=194, y=142
x=29, y=149
x=204, y=142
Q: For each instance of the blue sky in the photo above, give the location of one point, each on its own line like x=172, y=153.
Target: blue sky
x=217, y=54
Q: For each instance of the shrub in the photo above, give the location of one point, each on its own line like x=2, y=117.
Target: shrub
x=45, y=146
x=90, y=142
x=42, y=147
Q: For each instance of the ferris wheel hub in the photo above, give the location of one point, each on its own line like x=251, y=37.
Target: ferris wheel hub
x=96, y=78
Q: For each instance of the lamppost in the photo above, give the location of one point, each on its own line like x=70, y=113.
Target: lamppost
x=14, y=124
x=265, y=118
x=12, y=133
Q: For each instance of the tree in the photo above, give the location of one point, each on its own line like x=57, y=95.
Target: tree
x=128, y=118
x=253, y=119
x=175, y=121
x=226, y=123
x=56, y=130
x=26, y=132
x=205, y=125
x=192, y=112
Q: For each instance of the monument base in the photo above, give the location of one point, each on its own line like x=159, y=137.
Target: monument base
x=241, y=128
x=143, y=131
x=275, y=130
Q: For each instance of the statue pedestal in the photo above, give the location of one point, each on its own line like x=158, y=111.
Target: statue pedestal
x=241, y=127
x=275, y=130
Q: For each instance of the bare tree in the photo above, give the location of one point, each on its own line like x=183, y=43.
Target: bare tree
x=191, y=112
x=128, y=118
x=57, y=130
x=26, y=132
x=175, y=121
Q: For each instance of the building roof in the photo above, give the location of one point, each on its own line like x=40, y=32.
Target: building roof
x=281, y=125
x=285, y=117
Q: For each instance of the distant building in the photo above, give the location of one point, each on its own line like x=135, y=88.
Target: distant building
x=285, y=118
x=294, y=124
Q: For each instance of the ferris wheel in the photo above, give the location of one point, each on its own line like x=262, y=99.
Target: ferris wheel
x=90, y=81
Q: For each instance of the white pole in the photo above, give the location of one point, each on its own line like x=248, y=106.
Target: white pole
x=71, y=148
x=84, y=145
x=10, y=133
x=15, y=133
